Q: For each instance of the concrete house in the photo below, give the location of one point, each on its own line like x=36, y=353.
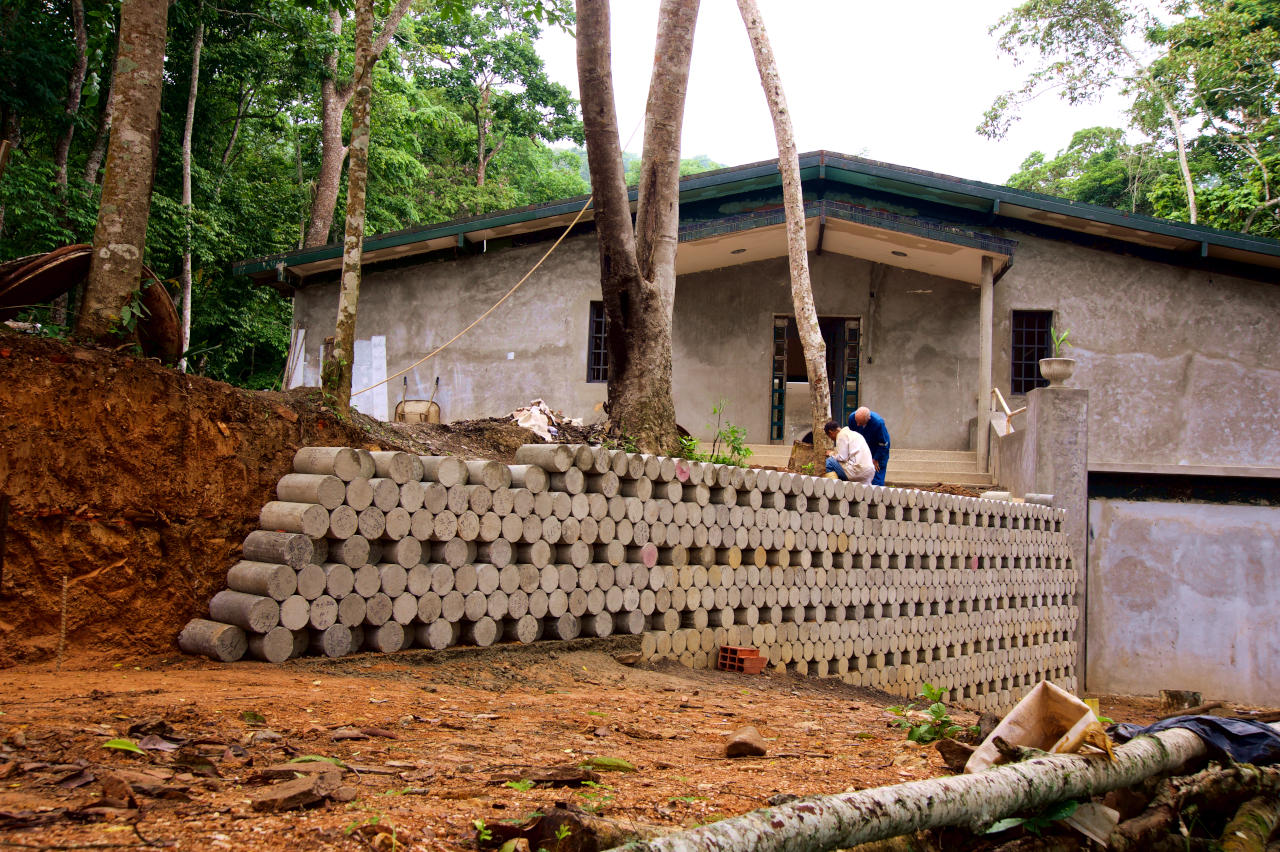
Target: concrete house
x=936, y=295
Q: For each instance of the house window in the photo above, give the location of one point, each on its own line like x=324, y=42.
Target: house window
x=597, y=349
x=1030, y=343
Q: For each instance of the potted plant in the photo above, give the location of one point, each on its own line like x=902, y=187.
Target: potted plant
x=1058, y=369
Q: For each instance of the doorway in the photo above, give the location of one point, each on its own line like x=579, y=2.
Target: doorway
x=843, y=338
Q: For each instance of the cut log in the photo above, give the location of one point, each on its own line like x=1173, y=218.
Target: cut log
x=525, y=630
x=554, y=458
x=295, y=613
x=1198, y=710
x=385, y=638
x=1179, y=699
x=351, y=610
x=341, y=462
x=490, y=474
x=404, y=608
x=292, y=549
x=264, y=579
x=438, y=635
x=352, y=552
x=254, y=613
x=407, y=552
x=396, y=466
x=378, y=609
x=312, y=582
x=275, y=646
x=326, y=490
x=322, y=613
x=1252, y=826
x=309, y=519
x=359, y=494
x=334, y=642
x=225, y=643
x=530, y=477
x=446, y=470
x=339, y=580
x=974, y=801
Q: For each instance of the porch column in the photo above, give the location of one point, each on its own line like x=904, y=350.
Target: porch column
x=985, y=302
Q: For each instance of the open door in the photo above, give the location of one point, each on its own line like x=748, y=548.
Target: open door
x=843, y=339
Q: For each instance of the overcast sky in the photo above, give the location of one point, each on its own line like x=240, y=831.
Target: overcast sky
x=908, y=82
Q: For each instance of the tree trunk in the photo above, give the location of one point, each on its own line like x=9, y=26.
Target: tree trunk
x=334, y=97
x=1176, y=120
x=822, y=823
x=197, y=43
x=121, y=233
x=99, y=150
x=637, y=266
x=338, y=370
x=63, y=149
x=815, y=350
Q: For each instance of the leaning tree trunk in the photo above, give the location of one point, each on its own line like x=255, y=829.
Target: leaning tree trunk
x=637, y=264
x=822, y=823
x=197, y=43
x=99, y=150
x=63, y=149
x=121, y=234
x=334, y=97
x=815, y=351
x=338, y=370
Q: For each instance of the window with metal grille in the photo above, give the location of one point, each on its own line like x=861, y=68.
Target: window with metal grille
x=1031, y=342
x=597, y=349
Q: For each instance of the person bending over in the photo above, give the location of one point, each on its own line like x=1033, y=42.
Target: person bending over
x=851, y=459
x=871, y=426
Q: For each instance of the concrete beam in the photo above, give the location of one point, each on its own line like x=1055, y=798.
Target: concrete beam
x=985, y=307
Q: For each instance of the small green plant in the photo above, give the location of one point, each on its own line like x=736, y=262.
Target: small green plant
x=483, y=834
x=131, y=313
x=688, y=800
x=689, y=448
x=1059, y=341
x=1037, y=823
x=562, y=831
x=597, y=796
x=522, y=786
x=808, y=468
x=937, y=724
x=730, y=443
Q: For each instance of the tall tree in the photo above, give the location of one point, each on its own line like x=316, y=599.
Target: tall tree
x=335, y=95
x=338, y=369
x=815, y=350
x=74, y=88
x=485, y=61
x=1085, y=49
x=197, y=44
x=121, y=233
x=637, y=263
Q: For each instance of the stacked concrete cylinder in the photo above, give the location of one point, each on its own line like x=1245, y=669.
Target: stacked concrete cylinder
x=879, y=586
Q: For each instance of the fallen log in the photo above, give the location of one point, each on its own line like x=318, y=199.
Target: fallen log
x=1252, y=826
x=1192, y=711
x=822, y=823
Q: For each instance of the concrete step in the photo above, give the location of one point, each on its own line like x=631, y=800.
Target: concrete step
x=919, y=477
x=959, y=466
x=905, y=454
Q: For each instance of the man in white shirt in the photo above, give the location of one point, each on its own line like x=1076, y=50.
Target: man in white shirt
x=851, y=459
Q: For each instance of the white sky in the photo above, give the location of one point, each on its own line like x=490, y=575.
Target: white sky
x=908, y=81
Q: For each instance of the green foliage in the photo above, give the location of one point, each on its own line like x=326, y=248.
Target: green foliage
x=522, y=786
x=1037, y=822
x=483, y=833
x=597, y=796
x=690, y=166
x=1059, y=341
x=730, y=443
x=936, y=725
x=123, y=745
x=689, y=448
x=1097, y=167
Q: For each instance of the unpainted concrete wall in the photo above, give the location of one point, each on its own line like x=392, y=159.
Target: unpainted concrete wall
x=1184, y=596
x=1183, y=366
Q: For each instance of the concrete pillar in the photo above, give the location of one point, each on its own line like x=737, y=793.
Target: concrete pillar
x=1058, y=435
x=985, y=307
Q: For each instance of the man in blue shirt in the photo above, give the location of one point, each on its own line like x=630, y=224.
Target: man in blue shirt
x=871, y=426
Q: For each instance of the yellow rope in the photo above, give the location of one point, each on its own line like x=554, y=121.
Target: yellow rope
x=492, y=309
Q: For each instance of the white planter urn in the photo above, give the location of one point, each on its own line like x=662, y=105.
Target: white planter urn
x=1057, y=370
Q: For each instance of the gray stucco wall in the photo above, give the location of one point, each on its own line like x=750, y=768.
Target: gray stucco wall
x=544, y=324
x=1183, y=367
x=920, y=339
x=1184, y=596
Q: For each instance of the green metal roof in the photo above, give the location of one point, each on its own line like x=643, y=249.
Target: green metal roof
x=971, y=195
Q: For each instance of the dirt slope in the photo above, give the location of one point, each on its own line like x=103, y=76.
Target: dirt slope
x=136, y=484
